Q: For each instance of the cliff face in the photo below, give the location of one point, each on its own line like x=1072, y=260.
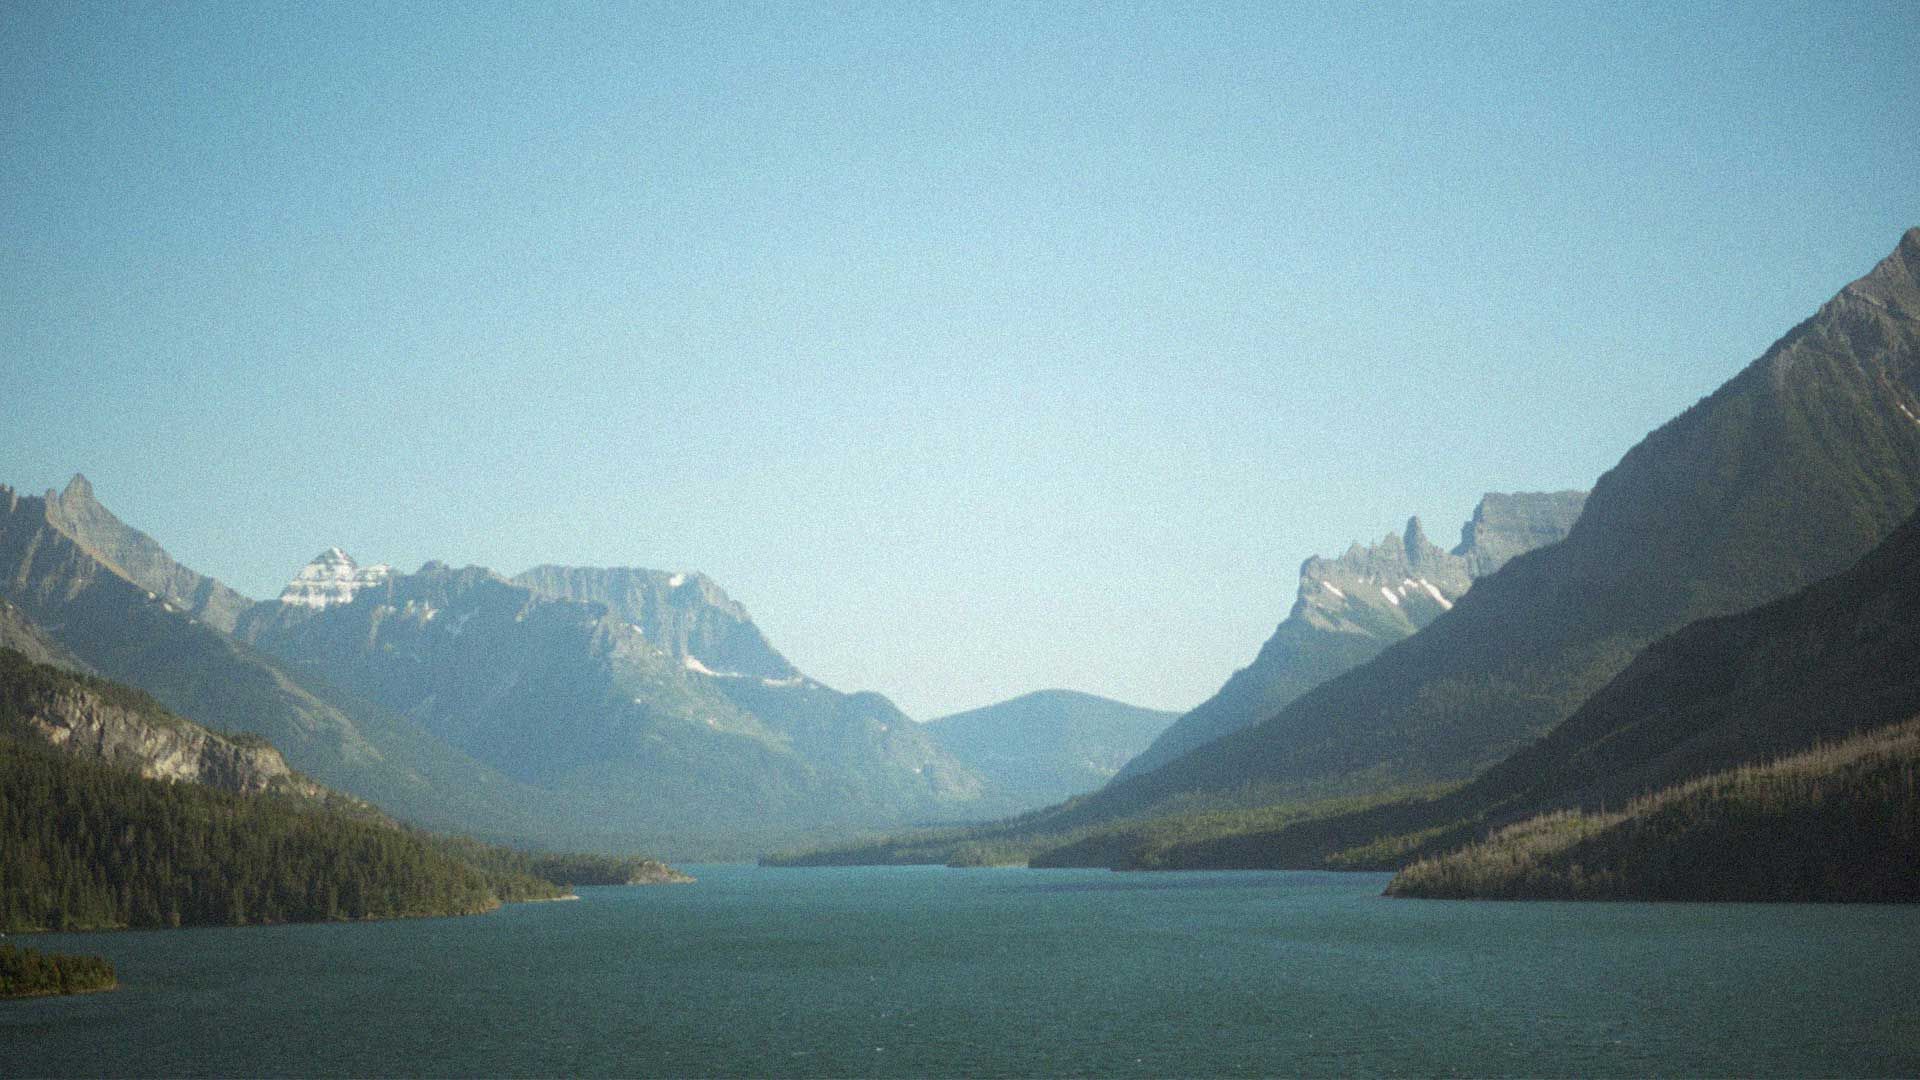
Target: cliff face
x=1506, y=525
x=686, y=615
x=92, y=719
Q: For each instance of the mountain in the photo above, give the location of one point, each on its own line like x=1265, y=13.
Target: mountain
x=685, y=614
x=137, y=557
x=115, y=812
x=1049, y=745
x=135, y=635
x=17, y=632
x=649, y=696
x=1350, y=609
x=111, y=723
x=1788, y=473
x=1838, y=823
x=1825, y=664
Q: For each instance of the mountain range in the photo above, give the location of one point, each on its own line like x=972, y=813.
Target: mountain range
x=584, y=707
x=1664, y=785
x=618, y=687
x=1735, y=588
x=1788, y=474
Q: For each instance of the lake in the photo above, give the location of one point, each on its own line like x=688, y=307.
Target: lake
x=928, y=971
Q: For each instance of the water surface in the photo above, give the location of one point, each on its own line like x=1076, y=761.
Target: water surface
x=928, y=971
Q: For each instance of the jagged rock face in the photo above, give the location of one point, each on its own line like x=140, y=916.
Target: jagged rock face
x=1504, y=526
x=1349, y=609
x=135, y=554
x=1388, y=590
x=85, y=723
x=684, y=614
x=331, y=578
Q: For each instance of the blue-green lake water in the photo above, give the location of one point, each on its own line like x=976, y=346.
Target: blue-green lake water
x=934, y=972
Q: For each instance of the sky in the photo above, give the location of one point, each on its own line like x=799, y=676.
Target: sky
x=974, y=348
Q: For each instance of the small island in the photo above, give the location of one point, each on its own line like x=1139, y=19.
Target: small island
x=26, y=973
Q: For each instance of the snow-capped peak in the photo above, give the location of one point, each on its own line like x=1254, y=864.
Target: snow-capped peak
x=331, y=578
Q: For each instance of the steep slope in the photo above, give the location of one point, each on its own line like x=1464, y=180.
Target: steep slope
x=1049, y=745
x=115, y=724
x=577, y=698
x=1840, y=823
x=1350, y=609
x=1788, y=473
x=684, y=614
x=1821, y=664
x=866, y=750
x=17, y=632
x=139, y=558
x=1828, y=662
x=136, y=636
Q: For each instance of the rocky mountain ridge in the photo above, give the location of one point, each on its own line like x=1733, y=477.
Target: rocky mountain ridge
x=650, y=695
x=685, y=614
x=1829, y=663
x=331, y=578
x=1347, y=610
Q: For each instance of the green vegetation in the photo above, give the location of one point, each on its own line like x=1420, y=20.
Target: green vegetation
x=544, y=868
x=1836, y=823
x=24, y=680
x=26, y=973
x=1826, y=663
x=1043, y=839
x=87, y=846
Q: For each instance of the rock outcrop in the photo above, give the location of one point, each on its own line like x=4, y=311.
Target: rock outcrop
x=124, y=728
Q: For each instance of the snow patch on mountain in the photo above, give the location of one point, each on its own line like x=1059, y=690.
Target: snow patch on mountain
x=331, y=578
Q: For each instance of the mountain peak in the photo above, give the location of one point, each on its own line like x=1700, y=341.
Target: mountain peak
x=1895, y=280
x=77, y=488
x=331, y=577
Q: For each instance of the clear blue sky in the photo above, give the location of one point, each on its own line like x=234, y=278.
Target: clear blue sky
x=976, y=349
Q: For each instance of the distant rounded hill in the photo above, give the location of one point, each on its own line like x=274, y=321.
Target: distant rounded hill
x=1049, y=745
